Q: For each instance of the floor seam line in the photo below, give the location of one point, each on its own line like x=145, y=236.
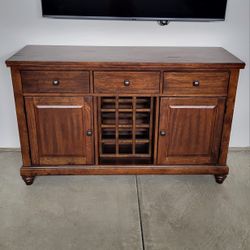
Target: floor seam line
x=140, y=216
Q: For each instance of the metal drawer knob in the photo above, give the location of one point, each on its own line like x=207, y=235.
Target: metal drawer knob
x=89, y=132
x=163, y=133
x=126, y=82
x=56, y=82
x=196, y=83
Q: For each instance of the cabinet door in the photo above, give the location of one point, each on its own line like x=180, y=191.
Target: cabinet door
x=190, y=130
x=60, y=130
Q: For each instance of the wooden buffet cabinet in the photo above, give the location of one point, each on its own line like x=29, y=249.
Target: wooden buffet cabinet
x=124, y=110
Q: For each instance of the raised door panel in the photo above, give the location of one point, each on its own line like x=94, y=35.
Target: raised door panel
x=58, y=130
x=190, y=130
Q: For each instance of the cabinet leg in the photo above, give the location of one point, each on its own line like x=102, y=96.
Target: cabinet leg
x=28, y=179
x=220, y=178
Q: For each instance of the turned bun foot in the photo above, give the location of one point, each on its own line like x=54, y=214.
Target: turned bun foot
x=220, y=178
x=28, y=179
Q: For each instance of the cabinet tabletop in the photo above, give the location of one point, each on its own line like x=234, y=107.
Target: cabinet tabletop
x=32, y=55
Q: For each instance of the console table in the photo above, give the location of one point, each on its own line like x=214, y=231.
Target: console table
x=124, y=110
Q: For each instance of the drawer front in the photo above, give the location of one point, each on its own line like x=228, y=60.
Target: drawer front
x=127, y=82
x=55, y=81
x=196, y=83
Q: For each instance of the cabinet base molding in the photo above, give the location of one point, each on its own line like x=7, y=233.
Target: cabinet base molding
x=220, y=172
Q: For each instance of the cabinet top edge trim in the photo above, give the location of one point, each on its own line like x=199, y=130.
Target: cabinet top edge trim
x=119, y=65
x=125, y=56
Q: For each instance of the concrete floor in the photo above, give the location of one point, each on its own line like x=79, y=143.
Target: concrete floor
x=102, y=212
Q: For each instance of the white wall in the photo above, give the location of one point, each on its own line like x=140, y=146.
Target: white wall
x=21, y=23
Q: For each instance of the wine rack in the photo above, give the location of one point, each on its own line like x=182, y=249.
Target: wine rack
x=126, y=126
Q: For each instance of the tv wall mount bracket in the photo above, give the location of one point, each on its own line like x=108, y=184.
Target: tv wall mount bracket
x=163, y=22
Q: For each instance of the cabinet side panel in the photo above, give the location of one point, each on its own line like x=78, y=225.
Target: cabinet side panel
x=233, y=83
x=21, y=116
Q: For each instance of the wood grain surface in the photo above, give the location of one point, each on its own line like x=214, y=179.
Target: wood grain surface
x=67, y=81
x=192, y=129
x=124, y=110
x=203, y=57
x=208, y=83
x=115, y=82
x=57, y=128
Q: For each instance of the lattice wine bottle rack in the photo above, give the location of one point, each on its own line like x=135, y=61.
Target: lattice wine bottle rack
x=126, y=126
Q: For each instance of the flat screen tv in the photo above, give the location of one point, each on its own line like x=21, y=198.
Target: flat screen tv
x=158, y=10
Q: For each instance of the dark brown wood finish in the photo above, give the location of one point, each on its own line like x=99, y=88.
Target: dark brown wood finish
x=21, y=116
x=122, y=169
x=55, y=81
x=124, y=110
x=126, y=82
x=126, y=125
x=220, y=178
x=28, y=179
x=190, y=130
x=59, y=130
x=196, y=83
x=96, y=129
x=115, y=57
x=233, y=83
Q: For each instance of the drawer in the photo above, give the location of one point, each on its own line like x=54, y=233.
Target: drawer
x=195, y=83
x=55, y=81
x=127, y=82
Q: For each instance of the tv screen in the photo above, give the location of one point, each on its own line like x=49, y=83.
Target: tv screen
x=204, y=10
